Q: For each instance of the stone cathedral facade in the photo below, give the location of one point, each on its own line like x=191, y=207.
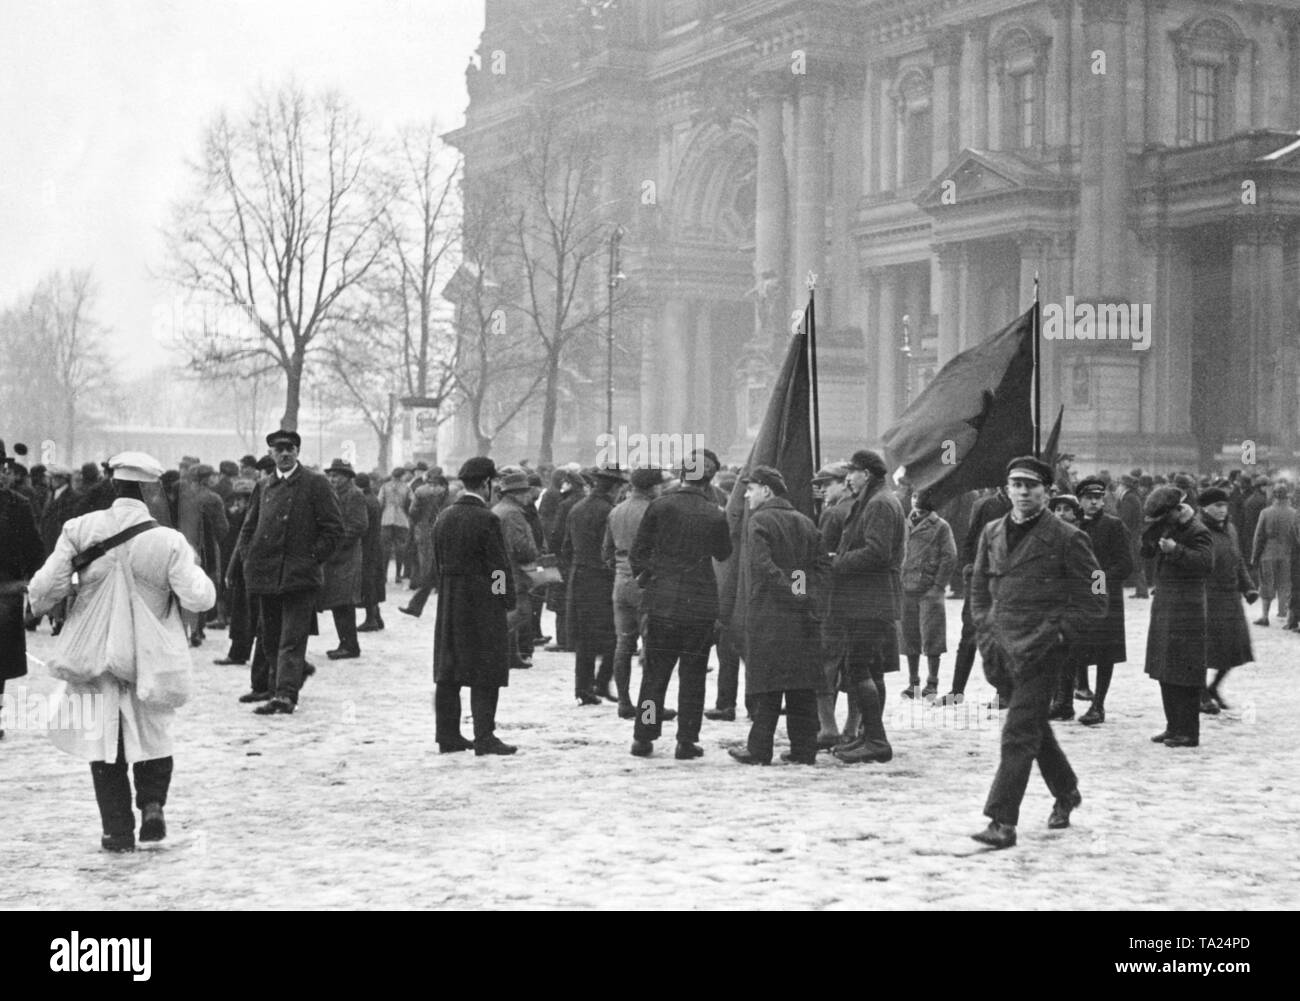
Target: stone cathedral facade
x=925, y=159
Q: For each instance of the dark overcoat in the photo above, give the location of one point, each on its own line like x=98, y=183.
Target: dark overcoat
x=557, y=595
x=1176, y=642
x=867, y=574
x=680, y=535
x=476, y=589
x=781, y=577
x=1227, y=635
x=58, y=511
x=591, y=581
x=21, y=555
x=1031, y=604
x=344, y=581
x=1103, y=641
x=372, y=552
x=290, y=530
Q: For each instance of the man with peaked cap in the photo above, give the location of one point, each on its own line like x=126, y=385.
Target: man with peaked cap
x=1183, y=551
x=291, y=529
x=342, y=590
x=522, y=551
x=1031, y=598
x=682, y=532
x=837, y=501
x=476, y=592
x=161, y=566
x=779, y=583
x=620, y=534
x=867, y=601
x=1101, y=642
x=591, y=585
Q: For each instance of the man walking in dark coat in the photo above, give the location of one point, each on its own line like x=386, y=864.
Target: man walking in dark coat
x=680, y=535
x=372, y=555
x=291, y=529
x=1176, y=639
x=1129, y=511
x=342, y=589
x=1032, y=598
x=1101, y=643
x=521, y=549
x=837, y=503
x=21, y=555
x=1227, y=635
x=983, y=511
x=476, y=590
x=779, y=584
x=591, y=582
x=243, y=622
x=867, y=601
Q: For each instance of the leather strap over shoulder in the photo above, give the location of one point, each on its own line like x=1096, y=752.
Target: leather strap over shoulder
x=92, y=553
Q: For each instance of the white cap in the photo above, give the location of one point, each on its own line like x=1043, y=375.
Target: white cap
x=136, y=466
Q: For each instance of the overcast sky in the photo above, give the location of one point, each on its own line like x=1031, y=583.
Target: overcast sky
x=102, y=102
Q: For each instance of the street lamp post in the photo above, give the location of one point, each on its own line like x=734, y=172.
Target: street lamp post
x=906, y=349
x=616, y=277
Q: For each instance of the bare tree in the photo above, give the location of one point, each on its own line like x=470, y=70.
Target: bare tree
x=56, y=364
x=285, y=222
x=557, y=231
x=399, y=341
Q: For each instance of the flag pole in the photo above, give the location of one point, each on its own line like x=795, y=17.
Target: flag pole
x=1038, y=393
x=810, y=318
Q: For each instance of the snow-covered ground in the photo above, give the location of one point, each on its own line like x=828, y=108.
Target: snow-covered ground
x=349, y=804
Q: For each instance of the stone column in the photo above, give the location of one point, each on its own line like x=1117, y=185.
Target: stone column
x=1277, y=356
x=972, y=319
x=945, y=300
x=810, y=187
x=1060, y=80
x=871, y=131
x=1104, y=168
x=674, y=365
x=887, y=336
x=770, y=220
x=888, y=126
x=974, y=118
x=946, y=45
x=1247, y=380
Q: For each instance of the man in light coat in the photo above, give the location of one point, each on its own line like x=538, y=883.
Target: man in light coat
x=1031, y=597
x=160, y=564
x=928, y=560
x=1271, y=552
x=521, y=548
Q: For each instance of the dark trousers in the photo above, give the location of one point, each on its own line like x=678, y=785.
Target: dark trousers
x=446, y=707
x=428, y=584
x=668, y=641
x=1182, y=710
x=393, y=540
x=345, y=624
x=800, y=722
x=286, y=621
x=965, y=648
x=113, y=788
x=259, y=668
x=243, y=620
x=729, y=672
x=868, y=654
x=1027, y=736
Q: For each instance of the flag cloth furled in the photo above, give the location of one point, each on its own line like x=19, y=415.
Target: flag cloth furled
x=973, y=418
x=1053, y=446
x=785, y=442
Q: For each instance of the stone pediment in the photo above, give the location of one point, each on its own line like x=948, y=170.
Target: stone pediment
x=978, y=174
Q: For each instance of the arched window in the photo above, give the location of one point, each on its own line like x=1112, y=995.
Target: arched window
x=916, y=126
x=1021, y=60
x=1206, y=54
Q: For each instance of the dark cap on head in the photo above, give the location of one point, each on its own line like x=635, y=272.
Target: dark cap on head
x=1091, y=486
x=831, y=472
x=611, y=474
x=769, y=477
x=513, y=481
x=478, y=468
x=646, y=478
x=284, y=435
x=1066, y=500
x=1027, y=466
x=1214, y=495
x=201, y=472
x=339, y=466
x=1161, y=501
x=228, y=468
x=248, y=460
x=868, y=461
x=265, y=464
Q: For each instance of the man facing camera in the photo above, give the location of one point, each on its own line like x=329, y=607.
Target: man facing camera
x=1031, y=598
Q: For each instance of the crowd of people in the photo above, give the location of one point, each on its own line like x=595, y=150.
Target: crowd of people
x=647, y=561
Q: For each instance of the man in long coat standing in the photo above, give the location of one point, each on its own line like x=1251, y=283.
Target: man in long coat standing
x=1176, y=640
x=1102, y=643
x=372, y=554
x=521, y=549
x=591, y=582
x=342, y=588
x=476, y=590
x=291, y=529
x=779, y=587
x=21, y=554
x=1031, y=598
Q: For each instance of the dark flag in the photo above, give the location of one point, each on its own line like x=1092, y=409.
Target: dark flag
x=972, y=419
x=785, y=442
x=1053, y=445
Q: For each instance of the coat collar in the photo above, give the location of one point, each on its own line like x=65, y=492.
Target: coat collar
x=1035, y=539
x=470, y=498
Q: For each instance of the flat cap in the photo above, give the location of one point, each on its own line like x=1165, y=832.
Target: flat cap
x=201, y=472
x=869, y=461
x=613, y=473
x=1091, y=486
x=767, y=476
x=284, y=435
x=1160, y=502
x=1028, y=467
x=1214, y=495
x=229, y=467
x=478, y=468
x=138, y=467
x=515, y=480
x=265, y=464
x=832, y=471
x=1066, y=500
x=646, y=478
